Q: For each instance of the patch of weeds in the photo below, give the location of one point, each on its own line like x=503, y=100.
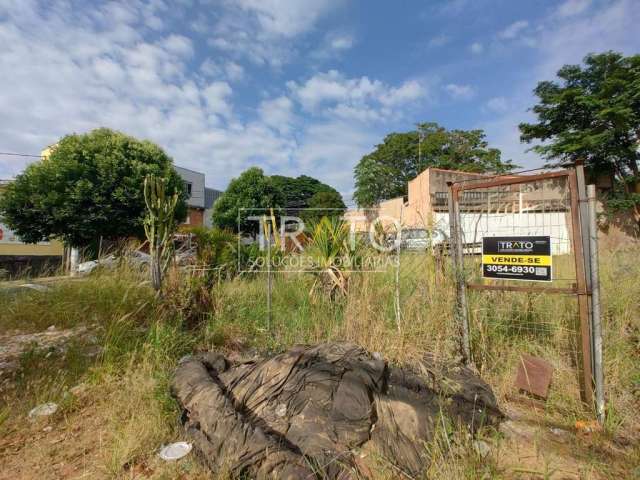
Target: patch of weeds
x=45, y=374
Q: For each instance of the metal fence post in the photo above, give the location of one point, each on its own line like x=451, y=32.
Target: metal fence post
x=586, y=379
x=269, y=281
x=456, y=249
x=596, y=324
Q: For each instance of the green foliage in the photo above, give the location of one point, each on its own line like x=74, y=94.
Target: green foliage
x=216, y=250
x=324, y=204
x=384, y=173
x=251, y=194
x=254, y=190
x=299, y=192
x=591, y=113
x=332, y=254
x=90, y=186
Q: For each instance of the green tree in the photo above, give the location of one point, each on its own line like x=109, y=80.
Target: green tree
x=592, y=113
x=90, y=186
x=384, y=173
x=251, y=194
x=298, y=191
x=326, y=203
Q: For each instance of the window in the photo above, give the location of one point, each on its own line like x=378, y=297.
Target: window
x=187, y=187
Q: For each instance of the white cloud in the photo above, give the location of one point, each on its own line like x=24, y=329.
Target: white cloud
x=341, y=42
x=228, y=70
x=333, y=87
x=277, y=113
x=262, y=30
x=573, y=7
x=476, y=47
x=234, y=71
x=330, y=149
x=333, y=46
x=70, y=69
x=215, y=96
x=409, y=91
x=460, y=92
x=568, y=40
x=513, y=30
x=497, y=104
x=287, y=17
x=178, y=45
x=560, y=40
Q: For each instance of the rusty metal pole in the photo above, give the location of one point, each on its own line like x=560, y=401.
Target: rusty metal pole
x=596, y=323
x=455, y=247
x=583, y=299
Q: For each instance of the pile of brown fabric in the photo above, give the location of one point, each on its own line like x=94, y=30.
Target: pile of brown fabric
x=312, y=411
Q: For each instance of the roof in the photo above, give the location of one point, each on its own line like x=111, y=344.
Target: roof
x=446, y=170
x=210, y=196
x=178, y=168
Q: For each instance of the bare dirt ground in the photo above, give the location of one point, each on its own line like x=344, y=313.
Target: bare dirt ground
x=69, y=447
x=70, y=443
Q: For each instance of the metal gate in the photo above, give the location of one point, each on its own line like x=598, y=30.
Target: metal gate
x=557, y=320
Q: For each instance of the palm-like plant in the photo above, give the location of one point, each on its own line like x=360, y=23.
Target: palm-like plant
x=332, y=254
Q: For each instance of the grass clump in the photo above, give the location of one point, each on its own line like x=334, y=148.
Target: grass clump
x=140, y=338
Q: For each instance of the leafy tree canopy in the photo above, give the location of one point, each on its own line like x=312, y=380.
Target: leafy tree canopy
x=90, y=186
x=325, y=203
x=248, y=195
x=299, y=191
x=592, y=113
x=384, y=173
x=252, y=189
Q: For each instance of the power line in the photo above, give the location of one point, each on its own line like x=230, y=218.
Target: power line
x=11, y=154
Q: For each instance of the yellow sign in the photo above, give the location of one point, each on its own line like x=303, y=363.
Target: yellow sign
x=535, y=260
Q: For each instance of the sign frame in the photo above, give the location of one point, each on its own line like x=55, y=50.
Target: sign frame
x=527, y=247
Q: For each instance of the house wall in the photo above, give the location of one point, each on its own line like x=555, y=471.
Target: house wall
x=417, y=211
x=196, y=179
x=359, y=218
x=15, y=247
x=11, y=245
x=195, y=217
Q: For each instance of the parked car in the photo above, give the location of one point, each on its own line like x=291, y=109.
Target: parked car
x=421, y=239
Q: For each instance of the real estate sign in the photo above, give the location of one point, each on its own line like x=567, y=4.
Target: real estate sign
x=517, y=258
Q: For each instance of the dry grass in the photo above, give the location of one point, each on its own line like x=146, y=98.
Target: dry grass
x=141, y=339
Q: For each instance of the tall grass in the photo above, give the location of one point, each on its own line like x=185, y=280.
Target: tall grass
x=142, y=337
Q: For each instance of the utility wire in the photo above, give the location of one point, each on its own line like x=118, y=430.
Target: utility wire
x=11, y=154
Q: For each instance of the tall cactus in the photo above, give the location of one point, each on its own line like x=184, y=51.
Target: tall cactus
x=159, y=226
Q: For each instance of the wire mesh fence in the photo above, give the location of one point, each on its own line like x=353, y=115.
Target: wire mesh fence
x=507, y=314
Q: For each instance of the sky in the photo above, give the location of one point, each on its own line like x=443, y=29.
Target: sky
x=292, y=86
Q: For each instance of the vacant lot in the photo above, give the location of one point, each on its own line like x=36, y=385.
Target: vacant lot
x=104, y=349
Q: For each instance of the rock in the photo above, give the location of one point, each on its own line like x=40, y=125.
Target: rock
x=78, y=389
x=516, y=430
x=43, y=410
x=35, y=286
x=281, y=410
x=561, y=435
x=51, y=328
x=482, y=448
x=311, y=411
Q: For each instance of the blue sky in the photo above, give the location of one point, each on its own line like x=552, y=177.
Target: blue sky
x=294, y=86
